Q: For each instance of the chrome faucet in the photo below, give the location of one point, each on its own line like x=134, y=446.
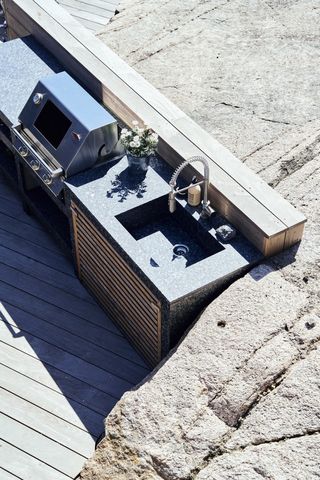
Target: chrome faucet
x=206, y=209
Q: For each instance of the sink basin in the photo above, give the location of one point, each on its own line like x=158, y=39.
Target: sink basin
x=171, y=240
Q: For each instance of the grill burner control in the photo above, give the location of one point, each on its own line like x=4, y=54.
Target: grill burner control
x=37, y=98
x=46, y=178
x=23, y=151
x=35, y=164
x=76, y=136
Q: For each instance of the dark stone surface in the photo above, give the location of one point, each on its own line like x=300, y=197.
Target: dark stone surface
x=25, y=63
x=108, y=191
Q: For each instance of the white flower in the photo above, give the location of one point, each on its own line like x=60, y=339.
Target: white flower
x=141, y=141
x=124, y=136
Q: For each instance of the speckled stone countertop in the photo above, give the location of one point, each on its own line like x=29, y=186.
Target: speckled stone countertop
x=23, y=62
x=109, y=190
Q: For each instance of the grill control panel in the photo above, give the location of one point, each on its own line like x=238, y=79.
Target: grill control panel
x=51, y=177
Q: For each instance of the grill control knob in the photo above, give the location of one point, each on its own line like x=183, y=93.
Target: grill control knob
x=34, y=164
x=47, y=178
x=76, y=136
x=23, y=151
x=37, y=98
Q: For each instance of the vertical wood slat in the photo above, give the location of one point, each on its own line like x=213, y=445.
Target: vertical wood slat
x=128, y=302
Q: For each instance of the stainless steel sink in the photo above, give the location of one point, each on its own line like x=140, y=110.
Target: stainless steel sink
x=170, y=240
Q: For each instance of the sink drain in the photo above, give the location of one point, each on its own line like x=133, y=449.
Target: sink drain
x=180, y=250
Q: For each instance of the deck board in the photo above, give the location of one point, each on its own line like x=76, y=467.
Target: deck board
x=44, y=273
x=5, y=475
x=93, y=14
x=63, y=363
x=51, y=401
x=25, y=466
x=56, y=380
x=39, y=446
x=50, y=294
x=29, y=249
x=51, y=313
x=100, y=337
x=71, y=343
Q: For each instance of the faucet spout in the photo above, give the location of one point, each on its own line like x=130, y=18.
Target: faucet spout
x=206, y=210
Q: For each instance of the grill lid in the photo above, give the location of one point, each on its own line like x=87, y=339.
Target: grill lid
x=70, y=124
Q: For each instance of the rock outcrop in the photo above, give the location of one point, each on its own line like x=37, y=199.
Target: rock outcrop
x=239, y=398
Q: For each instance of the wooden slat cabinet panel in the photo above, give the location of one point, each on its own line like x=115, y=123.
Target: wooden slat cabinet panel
x=121, y=293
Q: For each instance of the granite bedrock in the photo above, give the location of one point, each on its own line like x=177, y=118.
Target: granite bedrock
x=239, y=401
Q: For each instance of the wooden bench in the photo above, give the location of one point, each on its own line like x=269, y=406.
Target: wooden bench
x=259, y=212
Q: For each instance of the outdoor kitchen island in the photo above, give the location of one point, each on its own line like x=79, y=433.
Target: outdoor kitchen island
x=124, y=240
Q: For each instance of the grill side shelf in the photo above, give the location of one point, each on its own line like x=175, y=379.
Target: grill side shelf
x=124, y=297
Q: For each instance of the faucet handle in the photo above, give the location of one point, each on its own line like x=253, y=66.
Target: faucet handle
x=206, y=211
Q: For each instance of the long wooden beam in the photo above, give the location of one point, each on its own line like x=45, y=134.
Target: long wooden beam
x=259, y=212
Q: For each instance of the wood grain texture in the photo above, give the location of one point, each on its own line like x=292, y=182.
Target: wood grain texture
x=5, y=475
x=25, y=466
x=136, y=311
x=55, y=379
x=40, y=447
x=92, y=14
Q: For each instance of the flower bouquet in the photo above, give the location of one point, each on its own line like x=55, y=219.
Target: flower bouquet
x=140, y=144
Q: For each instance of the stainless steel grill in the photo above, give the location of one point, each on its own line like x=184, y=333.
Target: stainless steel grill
x=62, y=130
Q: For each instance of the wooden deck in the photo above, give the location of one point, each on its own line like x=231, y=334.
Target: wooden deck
x=93, y=14
x=63, y=364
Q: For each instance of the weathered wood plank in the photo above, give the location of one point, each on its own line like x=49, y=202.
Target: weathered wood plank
x=24, y=466
x=66, y=362
x=104, y=9
x=6, y=191
x=52, y=295
x=40, y=254
x=43, y=422
x=29, y=233
x=55, y=379
x=44, y=273
x=40, y=447
x=293, y=235
x=72, y=323
x=5, y=475
x=16, y=211
x=35, y=306
x=91, y=26
x=53, y=402
x=96, y=18
x=93, y=354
